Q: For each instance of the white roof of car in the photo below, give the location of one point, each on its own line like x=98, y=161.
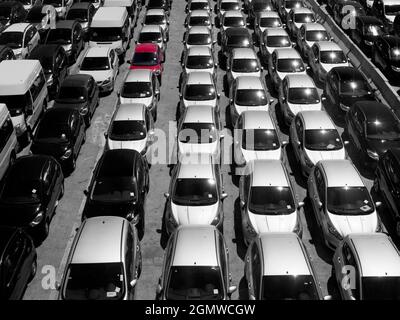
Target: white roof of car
x=138, y=75
x=313, y=26
x=233, y=13
x=151, y=28
x=117, y=3
x=97, y=52
x=328, y=46
x=199, y=51
x=17, y=27
x=302, y=10
x=130, y=111
x=199, y=13
x=155, y=12
x=341, y=173
x=268, y=14
x=276, y=32
x=244, y=53
x=109, y=17
x=257, y=119
x=300, y=81
x=268, y=173
x=249, y=82
x=287, y=53
x=317, y=119
x=203, y=170
x=16, y=76
x=197, y=113
x=198, y=77
x=199, y=29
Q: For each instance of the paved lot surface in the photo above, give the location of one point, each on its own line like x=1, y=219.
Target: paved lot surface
x=53, y=252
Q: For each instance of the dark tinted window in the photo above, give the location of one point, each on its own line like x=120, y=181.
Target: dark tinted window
x=145, y=59
x=200, y=92
x=199, y=39
x=260, y=140
x=288, y=287
x=303, y=95
x=380, y=288
x=290, y=65
x=349, y=201
x=128, y=130
x=245, y=65
x=199, y=62
x=195, y=192
x=136, y=90
x=271, y=200
x=251, y=97
x=332, y=57
x=322, y=139
x=197, y=132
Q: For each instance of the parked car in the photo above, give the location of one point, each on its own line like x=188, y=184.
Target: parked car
x=266, y=20
x=198, y=36
x=148, y=56
x=12, y=12
x=226, y=5
x=22, y=38
x=153, y=34
x=367, y=30
x=232, y=19
x=243, y=62
x=199, y=59
x=235, y=38
x=310, y=33
x=297, y=17
x=386, y=56
x=198, y=18
x=386, y=11
x=36, y=16
x=271, y=39
x=157, y=17
x=83, y=12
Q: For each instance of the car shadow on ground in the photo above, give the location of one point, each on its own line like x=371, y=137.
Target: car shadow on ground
x=243, y=289
x=240, y=245
x=336, y=114
x=163, y=232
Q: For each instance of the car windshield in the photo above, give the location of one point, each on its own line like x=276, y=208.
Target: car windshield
x=196, y=132
x=145, y=59
x=270, y=23
x=94, y=281
x=289, y=287
x=349, y=201
x=332, y=57
x=380, y=288
x=16, y=103
x=21, y=190
x=374, y=30
x=122, y=130
x=54, y=3
x=271, y=200
x=5, y=13
x=261, y=6
x=52, y=130
x=234, y=22
x=199, y=92
x=304, y=18
x=145, y=37
x=290, y=4
x=105, y=34
x=113, y=189
x=34, y=16
x=354, y=87
x=278, y=41
x=195, y=192
x=260, y=140
x=245, y=65
x=251, y=97
x=290, y=65
x=72, y=94
x=322, y=139
x=11, y=39
x=195, y=282
x=154, y=19
x=61, y=36
x=136, y=90
x=227, y=6
x=199, y=39
x=392, y=9
x=317, y=35
x=389, y=129
x=199, y=21
x=199, y=6
x=303, y=96
x=199, y=62
x=239, y=41
x=78, y=14
x=95, y=63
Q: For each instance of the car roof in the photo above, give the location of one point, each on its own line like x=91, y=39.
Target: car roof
x=28, y=167
x=316, y=119
x=302, y=10
x=287, y=53
x=199, y=13
x=377, y=254
x=199, y=77
x=201, y=170
x=44, y=50
x=249, y=82
x=199, y=29
x=310, y=26
x=155, y=12
x=16, y=74
x=233, y=13
x=126, y=159
x=244, y=53
x=81, y=5
x=195, y=246
x=257, y=119
x=151, y=28
x=138, y=75
x=17, y=27
x=197, y=113
x=341, y=173
x=276, y=32
x=283, y=254
x=76, y=80
x=300, y=81
x=199, y=51
x=268, y=173
x=327, y=46
x=130, y=111
x=100, y=240
x=268, y=14
x=65, y=24
x=97, y=52
x=146, y=47
x=108, y=17
x=374, y=109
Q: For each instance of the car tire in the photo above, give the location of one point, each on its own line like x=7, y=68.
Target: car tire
x=33, y=269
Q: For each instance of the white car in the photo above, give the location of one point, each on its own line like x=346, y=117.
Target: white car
x=341, y=202
x=266, y=20
x=297, y=92
x=297, y=17
x=22, y=38
x=153, y=34
x=256, y=138
x=285, y=6
x=198, y=36
x=199, y=18
x=271, y=39
x=102, y=64
x=267, y=200
x=197, y=5
x=199, y=132
x=199, y=59
x=227, y=5
x=233, y=19
x=131, y=127
x=157, y=17
x=314, y=137
x=310, y=33
x=325, y=55
x=247, y=94
x=243, y=62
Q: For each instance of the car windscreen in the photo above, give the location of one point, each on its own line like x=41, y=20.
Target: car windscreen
x=122, y=130
x=154, y=19
x=322, y=139
x=290, y=4
x=332, y=57
x=303, y=96
x=304, y=18
x=136, y=90
x=54, y=3
x=59, y=36
x=114, y=189
x=94, y=281
x=227, y=6
x=199, y=39
x=72, y=94
x=199, y=21
x=52, y=130
x=199, y=92
x=234, y=22
x=95, y=63
x=150, y=37
x=238, y=41
x=349, y=201
x=289, y=287
x=145, y=59
x=105, y=34
x=270, y=23
x=195, y=192
x=11, y=39
x=317, y=35
x=290, y=65
x=251, y=97
x=245, y=65
x=260, y=140
x=384, y=129
x=199, y=62
x=278, y=41
x=354, y=87
x=197, y=132
x=271, y=200
x=21, y=190
x=194, y=282
x=380, y=288
x=77, y=14
x=199, y=6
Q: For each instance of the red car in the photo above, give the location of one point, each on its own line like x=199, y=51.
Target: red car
x=148, y=56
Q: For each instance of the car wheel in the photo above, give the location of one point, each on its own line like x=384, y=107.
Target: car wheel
x=33, y=269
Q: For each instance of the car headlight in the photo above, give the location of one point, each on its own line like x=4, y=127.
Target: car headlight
x=84, y=111
x=373, y=155
x=332, y=230
x=37, y=219
x=67, y=154
x=368, y=43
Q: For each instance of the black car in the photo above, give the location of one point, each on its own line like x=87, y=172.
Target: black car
x=373, y=128
x=257, y=6
x=83, y=12
x=68, y=33
x=35, y=16
x=6, y=53
x=81, y=92
x=119, y=186
x=386, y=56
x=345, y=86
x=60, y=133
x=11, y=12
x=159, y=4
x=53, y=59
x=236, y=38
x=17, y=262
x=367, y=30
x=29, y=194
x=340, y=12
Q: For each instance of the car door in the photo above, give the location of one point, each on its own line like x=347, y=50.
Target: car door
x=296, y=131
x=348, y=273
x=392, y=193
x=27, y=43
x=316, y=192
x=113, y=62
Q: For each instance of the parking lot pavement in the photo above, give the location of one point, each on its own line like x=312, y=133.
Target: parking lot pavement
x=53, y=252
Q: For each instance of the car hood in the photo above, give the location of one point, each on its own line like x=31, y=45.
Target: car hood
x=194, y=214
x=240, y=109
x=276, y=223
x=316, y=156
x=296, y=108
x=240, y=74
x=250, y=155
x=212, y=103
x=51, y=147
x=189, y=149
x=137, y=145
x=98, y=75
x=354, y=224
x=380, y=146
x=19, y=215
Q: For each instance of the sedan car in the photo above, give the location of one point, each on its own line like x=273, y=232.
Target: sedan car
x=60, y=134
x=22, y=38
x=386, y=56
x=29, y=194
x=79, y=91
x=157, y=17
x=148, y=56
x=198, y=18
x=310, y=33
x=83, y=12
x=118, y=187
x=367, y=30
x=271, y=39
x=227, y=5
x=200, y=274
x=297, y=17
x=243, y=62
x=198, y=36
x=265, y=20
x=314, y=137
x=340, y=201
x=232, y=19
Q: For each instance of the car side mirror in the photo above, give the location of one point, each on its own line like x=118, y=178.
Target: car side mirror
x=224, y=195
x=378, y=204
x=230, y=100
x=218, y=95
x=262, y=68
x=136, y=41
x=166, y=195
x=182, y=65
x=58, y=286
x=232, y=289
x=242, y=204
x=157, y=92
x=105, y=135
x=128, y=61
x=85, y=192
x=346, y=142
x=159, y=289
x=307, y=68
x=271, y=101
x=133, y=283
x=323, y=97
x=301, y=204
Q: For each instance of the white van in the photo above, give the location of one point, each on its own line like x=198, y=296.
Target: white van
x=130, y=5
x=8, y=140
x=23, y=89
x=111, y=27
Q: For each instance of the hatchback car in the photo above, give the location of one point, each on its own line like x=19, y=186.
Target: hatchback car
x=243, y=62
x=309, y=33
x=12, y=12
x=200, y=274
x=232, y=19
x=83, y=12
x=235, y=38
x=278, y=267
x=199, y=59
x=118, y=187
x=79, y=91
x=340, y=201
x=198, y=36
x=22, y=38
x=314, y=137
x=157, y=17
x=226, y=5
x=104, y=262
x=266, y=20
x=271, y=39
x=198, y=18
x=102, y=64
x=385, y=55
x=367, y=30
x=297, y=17
x=29, y=194
x=148, y=56
x=268, y=201
x=374, y=264
x=18, y=263
x=195, y=194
